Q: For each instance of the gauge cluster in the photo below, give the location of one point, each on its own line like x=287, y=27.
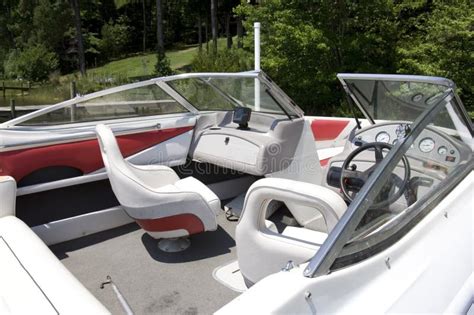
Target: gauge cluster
x=430, y=144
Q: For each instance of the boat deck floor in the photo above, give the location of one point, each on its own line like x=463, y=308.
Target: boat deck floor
x=153, y=281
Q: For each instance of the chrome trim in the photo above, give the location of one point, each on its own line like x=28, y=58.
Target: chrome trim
x=125, y=87
x=161, y=82
x=248, y=74
x=322, y=261
x=388, y=77
x=397, y=77
x=88, y=178
x=348, y=91
x=181, y=100
x=76, y=125
x=87, y=132
x=280, y=95
x=89, y=135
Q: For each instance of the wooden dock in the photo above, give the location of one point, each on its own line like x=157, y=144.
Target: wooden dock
x=7, y=113
x=22, y=88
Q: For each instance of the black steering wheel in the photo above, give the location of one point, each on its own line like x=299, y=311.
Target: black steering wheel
x=352, y=180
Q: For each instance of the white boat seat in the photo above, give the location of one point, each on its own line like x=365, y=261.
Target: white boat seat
x=192, y=184
x=7, y=196
x=261, y=250
x=33, y=280
x=161, y=203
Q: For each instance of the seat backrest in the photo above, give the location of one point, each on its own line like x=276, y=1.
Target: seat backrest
x=7, y=196
x=261, y=250
x=126, y=185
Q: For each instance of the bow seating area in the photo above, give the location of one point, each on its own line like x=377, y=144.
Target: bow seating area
x=42, y=284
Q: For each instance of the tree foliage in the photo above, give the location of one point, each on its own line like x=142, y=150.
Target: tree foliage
x=34, y=63
x=305, y=44
x=162, y=67
x=225, y=60
x=115, y=37
x=441, y=44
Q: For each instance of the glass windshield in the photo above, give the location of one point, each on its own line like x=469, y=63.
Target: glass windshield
x=147, y=100
x=431, y=161
x=219, y=93
x=395, y=100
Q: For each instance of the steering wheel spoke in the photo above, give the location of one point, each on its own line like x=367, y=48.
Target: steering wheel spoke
x=351, y=180
x=378, y=154
x=353, y=174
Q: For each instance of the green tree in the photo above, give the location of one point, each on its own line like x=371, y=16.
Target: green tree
x=6, y=36
x=34, y=63
x=214, y=25
x=437, y=38
x=304, y=45
x=162, y=66
x=225, y=60
x=115, y=37
x=52, y=22
x=121, y=3
x=79, y=37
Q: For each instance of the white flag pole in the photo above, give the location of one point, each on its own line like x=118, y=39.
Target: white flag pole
x=256, y=27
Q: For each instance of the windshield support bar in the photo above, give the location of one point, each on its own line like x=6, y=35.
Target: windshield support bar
x=278, y=103
x=220, y=92
x=322, y=261
x=354, y=98
x=351, y=105
x=181, y=100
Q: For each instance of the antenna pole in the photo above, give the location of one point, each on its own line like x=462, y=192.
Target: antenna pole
x=256, y=27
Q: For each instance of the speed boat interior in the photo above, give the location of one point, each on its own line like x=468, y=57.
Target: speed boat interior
x=212, y=192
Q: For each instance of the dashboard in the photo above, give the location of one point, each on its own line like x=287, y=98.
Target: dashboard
x=430, y=146
x=254, y=143
x=432, y=156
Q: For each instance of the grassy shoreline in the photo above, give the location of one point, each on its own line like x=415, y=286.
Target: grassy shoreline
x=114, y=73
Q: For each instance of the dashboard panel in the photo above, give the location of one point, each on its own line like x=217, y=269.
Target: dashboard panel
x=258, y=146
x=429, y=146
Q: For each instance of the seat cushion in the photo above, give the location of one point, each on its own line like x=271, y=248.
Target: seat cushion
x=33, y=280
x=194, y=185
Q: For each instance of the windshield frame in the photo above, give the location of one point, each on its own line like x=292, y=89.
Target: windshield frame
x=324, y=259
x=344, y=77
x=284, y=102
x=281, y=98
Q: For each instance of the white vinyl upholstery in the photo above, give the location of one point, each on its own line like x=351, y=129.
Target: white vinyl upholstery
x=260, y=249
x=7, y=196
x=33, y=280
x=155, y=192
x=192, y=184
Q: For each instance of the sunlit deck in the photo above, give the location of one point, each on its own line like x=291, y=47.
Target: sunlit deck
x=151, y=280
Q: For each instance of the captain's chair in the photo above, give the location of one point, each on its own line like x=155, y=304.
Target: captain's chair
x=165, y=206
x=261, y=250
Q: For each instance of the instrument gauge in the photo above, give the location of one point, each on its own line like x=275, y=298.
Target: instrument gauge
x=382, y=137
x=442, y=150
x=426, y=145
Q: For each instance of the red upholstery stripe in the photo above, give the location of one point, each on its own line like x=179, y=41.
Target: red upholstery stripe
x=324, y=162
x=325, y=129
x=187, y=221
x=83, y=155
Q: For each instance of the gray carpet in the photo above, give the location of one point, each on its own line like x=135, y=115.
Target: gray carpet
x=153, y=282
